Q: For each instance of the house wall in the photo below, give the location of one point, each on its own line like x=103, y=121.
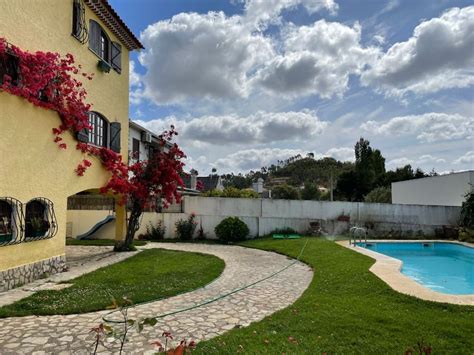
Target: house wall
x=134, y=133
x=31, y=164
x=444, y=190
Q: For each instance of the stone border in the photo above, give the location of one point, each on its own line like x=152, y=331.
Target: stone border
x=388, y=269
x=24, y=274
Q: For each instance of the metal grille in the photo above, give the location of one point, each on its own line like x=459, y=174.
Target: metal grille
x=12, y=221
x=79, y=28
x=45, y=226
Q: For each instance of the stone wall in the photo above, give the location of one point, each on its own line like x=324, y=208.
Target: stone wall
x=24, y=274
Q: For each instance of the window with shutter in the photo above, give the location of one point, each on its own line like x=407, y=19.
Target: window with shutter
x=94, y=37
x=116, y=57
x=115, y=129
x=98, y=131
x=135, y=149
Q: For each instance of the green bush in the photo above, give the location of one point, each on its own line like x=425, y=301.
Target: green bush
x=379, y=195
x=232, y=192
x=467, y=211
x=232, y=229
x=310, y=192
x=285, y=192
x=185, y=228
x=156, y=232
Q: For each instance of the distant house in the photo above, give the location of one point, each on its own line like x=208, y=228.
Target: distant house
x=207, y=183
x=141, y=143
x=260, y=189
x=442, y=190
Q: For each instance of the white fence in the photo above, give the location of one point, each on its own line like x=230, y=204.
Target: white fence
x=265, y=215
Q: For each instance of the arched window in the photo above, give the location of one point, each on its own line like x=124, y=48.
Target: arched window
x=99, y=42
x=40, y=220
x=98, y=134
x=6, y=221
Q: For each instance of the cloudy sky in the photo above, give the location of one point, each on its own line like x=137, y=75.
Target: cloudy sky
x=248, y=82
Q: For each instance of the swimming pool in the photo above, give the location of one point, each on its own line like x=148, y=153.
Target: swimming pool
x=442, y=267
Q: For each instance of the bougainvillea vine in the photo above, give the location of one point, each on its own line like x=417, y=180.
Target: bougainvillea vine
x=50, y=81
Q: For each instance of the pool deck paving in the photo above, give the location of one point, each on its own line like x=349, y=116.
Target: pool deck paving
x=70, y=334
x=388, y=269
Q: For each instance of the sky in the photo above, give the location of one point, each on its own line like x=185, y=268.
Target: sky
x=250, y=82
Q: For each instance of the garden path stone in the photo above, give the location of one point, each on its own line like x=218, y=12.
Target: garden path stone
x=70, y=334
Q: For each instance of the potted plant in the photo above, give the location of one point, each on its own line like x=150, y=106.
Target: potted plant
x=103, y=66
x=36, y=227
x=5, y=230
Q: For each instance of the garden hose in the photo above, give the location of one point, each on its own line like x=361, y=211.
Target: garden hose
x=212, y=300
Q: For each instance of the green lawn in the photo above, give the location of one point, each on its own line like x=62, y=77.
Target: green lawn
x=348, y=310
x=99, y=242
x=150, y=275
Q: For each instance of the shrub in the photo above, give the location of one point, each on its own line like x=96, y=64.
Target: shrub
x=467, y=211
x=379, y=195
x=232, y=192
x=232, y=229
x=185, y=228
x=248, y=193
x=285, y=192
x=156, y=232
x=310, y=192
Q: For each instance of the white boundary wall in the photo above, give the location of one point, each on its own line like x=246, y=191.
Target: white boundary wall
x=262, y=216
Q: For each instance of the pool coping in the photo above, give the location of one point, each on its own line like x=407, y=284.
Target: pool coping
x=388, y=269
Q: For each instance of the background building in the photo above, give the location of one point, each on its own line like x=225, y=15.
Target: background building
x=441, y=190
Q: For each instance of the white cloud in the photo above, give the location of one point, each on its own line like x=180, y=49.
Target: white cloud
x=438, y=56
x=428, y=127
x=342, y=154
x=201, y=56
x=261, y=127
x=317, y=59
x=249, y=159
x=428, y=158
x=258, y=13
x=467, y=158
x=134, y=78
x=426, y=161
x=395, y=163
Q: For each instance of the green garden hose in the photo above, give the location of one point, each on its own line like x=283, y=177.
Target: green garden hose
x=212, y=300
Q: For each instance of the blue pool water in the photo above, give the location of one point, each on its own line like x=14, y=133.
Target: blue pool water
x=443, y=267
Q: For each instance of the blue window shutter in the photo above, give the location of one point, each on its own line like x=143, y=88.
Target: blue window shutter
x=83, y=135
x=116, y=57
x=94, y=36
x=115, y=129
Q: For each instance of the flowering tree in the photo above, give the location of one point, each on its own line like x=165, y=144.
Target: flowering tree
x=158, y=177
x=50, y=81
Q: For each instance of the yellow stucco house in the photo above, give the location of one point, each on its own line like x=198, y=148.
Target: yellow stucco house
x=36, y=178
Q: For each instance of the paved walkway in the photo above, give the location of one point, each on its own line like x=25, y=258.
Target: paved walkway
x=70, y=334
x=80, y=260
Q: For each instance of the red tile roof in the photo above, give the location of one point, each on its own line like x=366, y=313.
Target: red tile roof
x=112, y=20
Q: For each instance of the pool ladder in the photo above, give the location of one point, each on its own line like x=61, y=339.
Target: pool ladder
x=360, y=240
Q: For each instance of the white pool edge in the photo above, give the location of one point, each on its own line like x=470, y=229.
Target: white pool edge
x=388, y=269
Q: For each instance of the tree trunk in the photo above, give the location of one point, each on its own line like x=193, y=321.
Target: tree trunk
x=132, y=227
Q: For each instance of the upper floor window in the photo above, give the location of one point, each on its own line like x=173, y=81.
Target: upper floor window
x=79, y=28
x=9, y=67
x=100, y=43
x=99, y=129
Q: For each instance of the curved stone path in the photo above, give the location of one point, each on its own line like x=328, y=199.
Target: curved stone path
x=71, y=333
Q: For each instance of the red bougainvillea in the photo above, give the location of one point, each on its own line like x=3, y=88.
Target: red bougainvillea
x=50, y=81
